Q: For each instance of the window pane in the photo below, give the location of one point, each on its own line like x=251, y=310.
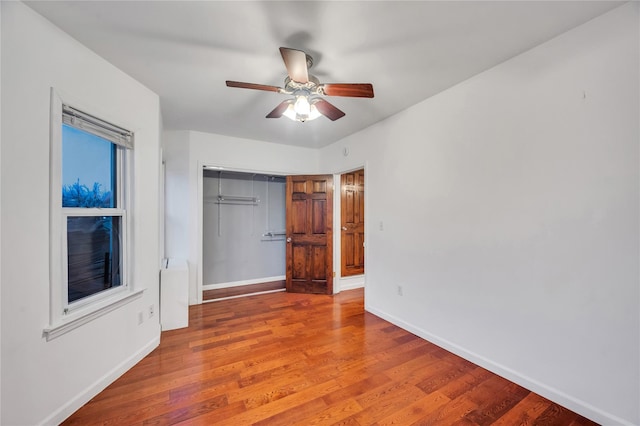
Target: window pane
x=93, y=250
x=88, y=169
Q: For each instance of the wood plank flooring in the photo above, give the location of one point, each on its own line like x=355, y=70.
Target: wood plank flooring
x=223, y=293
x=293, y=359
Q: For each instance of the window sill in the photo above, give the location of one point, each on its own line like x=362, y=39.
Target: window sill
x=77, y=319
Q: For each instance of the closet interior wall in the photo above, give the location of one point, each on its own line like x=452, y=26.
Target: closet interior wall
x=243, y=227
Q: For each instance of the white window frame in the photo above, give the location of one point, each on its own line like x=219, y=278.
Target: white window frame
x=65, y=316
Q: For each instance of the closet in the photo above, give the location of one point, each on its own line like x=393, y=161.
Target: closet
x=243, y=229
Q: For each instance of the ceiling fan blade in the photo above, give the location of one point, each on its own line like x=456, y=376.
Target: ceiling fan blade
x=328, y=110
x=253, y=86
x=279, y=110
x=355, y=90
x=296, y=63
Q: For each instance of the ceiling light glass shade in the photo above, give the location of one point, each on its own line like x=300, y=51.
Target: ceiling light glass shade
x=302, y=106
x=302, y=110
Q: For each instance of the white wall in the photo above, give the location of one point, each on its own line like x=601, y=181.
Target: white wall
x=44, y=382
x=510, y=206
x=176, y=157
x=186, y=153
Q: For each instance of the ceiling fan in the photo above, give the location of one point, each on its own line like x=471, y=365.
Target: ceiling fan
x=307, y=102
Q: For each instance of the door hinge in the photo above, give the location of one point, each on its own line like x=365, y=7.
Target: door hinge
x=334, y=274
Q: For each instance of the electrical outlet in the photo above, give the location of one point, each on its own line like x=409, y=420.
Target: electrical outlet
x=140, y=317
x=399, y=290
x=151, y=310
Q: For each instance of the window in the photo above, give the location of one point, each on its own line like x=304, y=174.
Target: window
x=93, y=212
x=90, y=210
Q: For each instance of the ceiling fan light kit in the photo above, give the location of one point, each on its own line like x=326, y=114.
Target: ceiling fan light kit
x=307, y=92
x=302, y=109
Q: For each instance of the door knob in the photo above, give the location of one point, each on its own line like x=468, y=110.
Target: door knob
x=289, y=239
x=344, y=228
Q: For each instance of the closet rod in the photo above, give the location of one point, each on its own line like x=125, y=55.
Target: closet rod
x=273, y=234
x=238, y=198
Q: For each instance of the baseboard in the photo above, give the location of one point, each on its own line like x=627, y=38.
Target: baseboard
x=351, y=283
x=243, y=282
x=574, y=404
x=85, y=396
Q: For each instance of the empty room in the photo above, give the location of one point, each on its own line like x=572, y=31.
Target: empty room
x=320, y=212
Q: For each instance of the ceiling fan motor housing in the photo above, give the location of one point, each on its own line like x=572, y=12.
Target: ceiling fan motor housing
x=311, y=87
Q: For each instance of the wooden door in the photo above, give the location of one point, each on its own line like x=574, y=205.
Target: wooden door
x=310, y=234
x=352, y=223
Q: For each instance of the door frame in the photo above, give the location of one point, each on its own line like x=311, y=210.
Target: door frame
x=341, y=283
x=200, y=221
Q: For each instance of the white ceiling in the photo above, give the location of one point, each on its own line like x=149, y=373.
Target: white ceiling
x=185, y=50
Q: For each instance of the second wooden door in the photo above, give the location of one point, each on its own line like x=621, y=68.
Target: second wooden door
x=352, y=223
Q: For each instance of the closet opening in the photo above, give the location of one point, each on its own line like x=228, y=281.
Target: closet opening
x=243, y=223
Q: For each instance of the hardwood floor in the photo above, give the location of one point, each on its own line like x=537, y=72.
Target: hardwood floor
x=243, y=290
x=285, y=358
